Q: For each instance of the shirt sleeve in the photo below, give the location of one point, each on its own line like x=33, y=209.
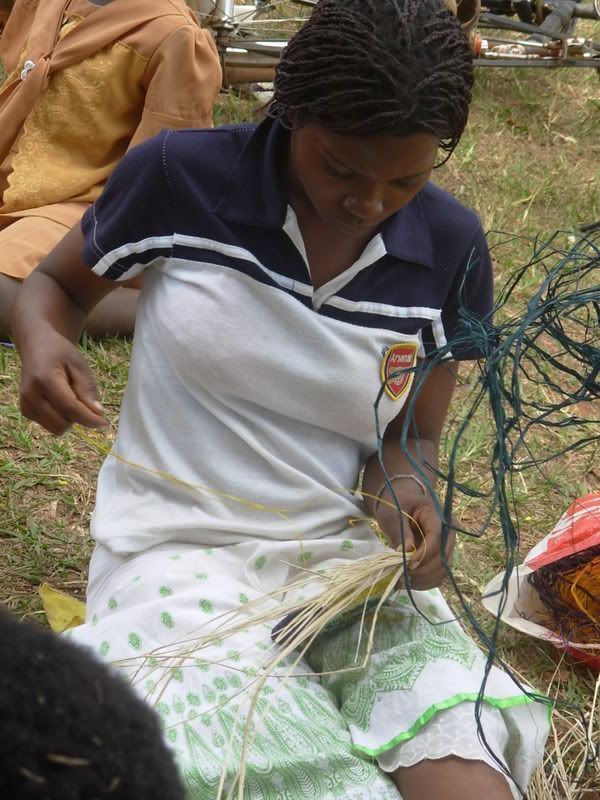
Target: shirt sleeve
x=467, y=311
x=182, y=81
x=130, y=225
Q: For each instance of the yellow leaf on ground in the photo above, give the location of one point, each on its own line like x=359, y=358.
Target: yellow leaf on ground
x=63, y=612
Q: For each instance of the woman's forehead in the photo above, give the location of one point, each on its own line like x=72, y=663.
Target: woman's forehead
x=377, y=156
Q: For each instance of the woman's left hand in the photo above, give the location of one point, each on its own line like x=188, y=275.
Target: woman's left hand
x=426, y=569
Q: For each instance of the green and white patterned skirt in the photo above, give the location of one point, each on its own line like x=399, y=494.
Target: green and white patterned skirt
x=318, y=738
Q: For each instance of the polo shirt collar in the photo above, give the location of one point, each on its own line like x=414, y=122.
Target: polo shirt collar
x=406, y=235
x=254, y=195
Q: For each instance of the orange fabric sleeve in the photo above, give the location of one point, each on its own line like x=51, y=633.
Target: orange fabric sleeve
x=183, y=79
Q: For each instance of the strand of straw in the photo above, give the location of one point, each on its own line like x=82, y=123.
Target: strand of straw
x=104, y=448
x=302, y=637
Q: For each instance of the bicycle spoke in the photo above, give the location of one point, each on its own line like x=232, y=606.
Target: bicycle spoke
x=268, y=21
x=257, y=33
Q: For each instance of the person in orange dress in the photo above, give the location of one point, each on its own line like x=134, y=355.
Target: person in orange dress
x=85, y=80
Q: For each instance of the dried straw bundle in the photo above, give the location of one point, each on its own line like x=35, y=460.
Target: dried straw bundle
x=319, y=602
x=349, y=589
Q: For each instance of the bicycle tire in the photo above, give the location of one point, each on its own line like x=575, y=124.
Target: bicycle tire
x=250, y=59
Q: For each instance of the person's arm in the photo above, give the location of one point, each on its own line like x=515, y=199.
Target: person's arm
x=127, y=228
x=57, y=388
x=471, y=289
x=431, y=408
x=182, y=81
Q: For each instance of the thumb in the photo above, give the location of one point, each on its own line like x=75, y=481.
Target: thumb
x=83, y=384
x=420, y=524
x=405, y=536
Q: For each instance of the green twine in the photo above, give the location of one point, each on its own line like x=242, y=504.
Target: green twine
x=540, y=361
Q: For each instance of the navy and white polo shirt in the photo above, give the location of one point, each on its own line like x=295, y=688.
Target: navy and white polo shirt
x=244, y=380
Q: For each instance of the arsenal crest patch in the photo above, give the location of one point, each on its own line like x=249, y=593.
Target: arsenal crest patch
x=396, y=361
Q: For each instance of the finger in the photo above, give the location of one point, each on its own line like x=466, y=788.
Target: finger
x=402, y=536
x=428, y=570
x=426, y=549
x=430, y=576
x=425, y=564
x=426, y=522
x=83, y=386
x=432, y=548
x=430, y=532
x=64, y=401
x=45, y=415
x=396, y=529
x=405, y=541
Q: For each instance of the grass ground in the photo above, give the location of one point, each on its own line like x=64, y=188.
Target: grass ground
x=529, y=164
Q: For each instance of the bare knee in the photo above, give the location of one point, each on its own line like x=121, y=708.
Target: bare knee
x=9, y=288
x=451, y=779
x=115, y=314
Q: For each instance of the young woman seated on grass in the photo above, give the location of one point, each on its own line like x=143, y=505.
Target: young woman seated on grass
x=288, y=267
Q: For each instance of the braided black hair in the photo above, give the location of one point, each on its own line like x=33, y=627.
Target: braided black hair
x=367, y=67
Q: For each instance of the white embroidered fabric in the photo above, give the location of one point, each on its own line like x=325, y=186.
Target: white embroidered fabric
x=453, y=732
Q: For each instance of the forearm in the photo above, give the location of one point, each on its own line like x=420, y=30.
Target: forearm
x=59, y=295
x=396, y=462
x=57, y=388
x=42, y=303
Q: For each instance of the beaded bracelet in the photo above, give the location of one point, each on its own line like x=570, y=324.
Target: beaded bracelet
x=385, y=486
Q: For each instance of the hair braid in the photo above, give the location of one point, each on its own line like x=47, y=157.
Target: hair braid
x=367, y=67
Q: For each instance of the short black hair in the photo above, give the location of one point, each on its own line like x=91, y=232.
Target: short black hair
x=367, y=67
x=70, y=729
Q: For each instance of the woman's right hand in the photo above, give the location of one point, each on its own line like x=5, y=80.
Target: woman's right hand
x=57, y=387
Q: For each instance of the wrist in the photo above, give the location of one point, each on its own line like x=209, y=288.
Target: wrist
x=402, y=484
x=30, y=333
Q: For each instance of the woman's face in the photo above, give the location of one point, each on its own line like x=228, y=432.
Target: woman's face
x=354, y=183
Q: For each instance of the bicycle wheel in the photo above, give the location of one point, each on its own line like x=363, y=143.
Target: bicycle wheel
x=251, y=36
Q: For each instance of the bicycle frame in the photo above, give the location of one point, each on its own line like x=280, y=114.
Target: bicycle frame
x=247, y=57
x=217, y=10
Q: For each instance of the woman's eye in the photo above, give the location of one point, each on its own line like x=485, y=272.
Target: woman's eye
x=406, y=184
x=410, y=183
x=338, y=170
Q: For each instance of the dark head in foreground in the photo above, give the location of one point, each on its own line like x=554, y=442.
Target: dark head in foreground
x=372, y=90
x=70, y=729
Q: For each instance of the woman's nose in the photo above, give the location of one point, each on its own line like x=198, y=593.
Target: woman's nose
x=364, y=208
